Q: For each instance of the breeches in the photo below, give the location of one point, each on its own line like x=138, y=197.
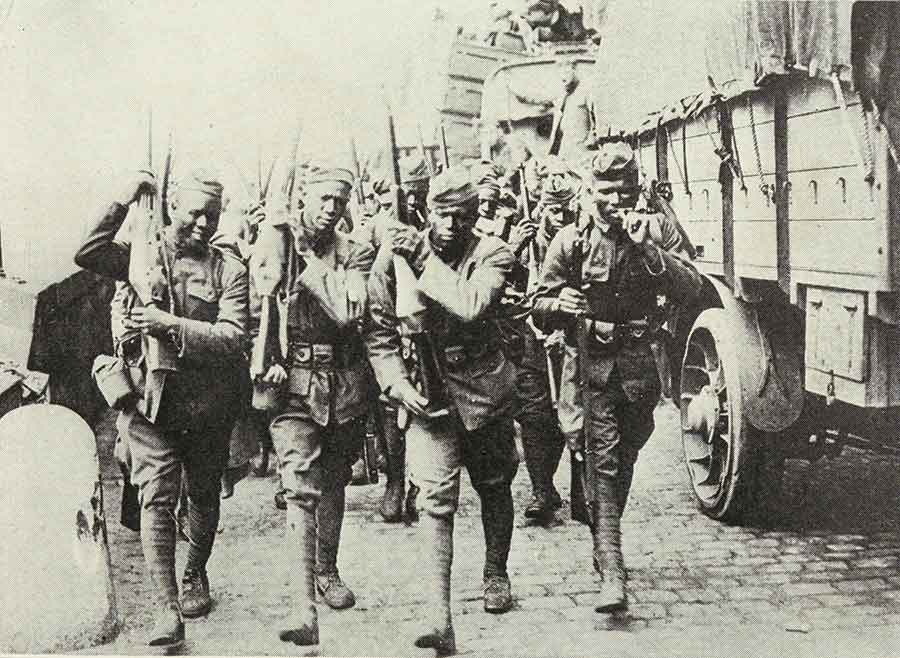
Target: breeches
x=157, y=456
x=312, y=457
x=619, y=428
x=438, y=449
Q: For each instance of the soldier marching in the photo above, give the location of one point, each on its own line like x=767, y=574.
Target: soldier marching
x=426, y=307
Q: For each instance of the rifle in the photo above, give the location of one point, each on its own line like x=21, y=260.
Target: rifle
x=408, y=303
x=424, y=153
x=150, y=275
x=445, y=152
x=581, y=476
x=274, y=306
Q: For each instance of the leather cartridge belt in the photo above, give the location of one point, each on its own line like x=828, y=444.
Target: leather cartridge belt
x=322, y=356
x=607, y=333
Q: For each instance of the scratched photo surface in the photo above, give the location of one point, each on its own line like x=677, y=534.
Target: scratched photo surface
x=425, y=327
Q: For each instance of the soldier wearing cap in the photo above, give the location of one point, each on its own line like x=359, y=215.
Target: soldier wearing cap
x=197, y=404
x=624, y=260
x=459, y=278
x=542, y=440
x=317, y=430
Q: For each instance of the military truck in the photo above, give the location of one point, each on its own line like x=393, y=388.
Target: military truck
x=772, y=128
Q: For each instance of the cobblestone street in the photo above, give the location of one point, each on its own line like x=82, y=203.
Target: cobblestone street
x=824, y=581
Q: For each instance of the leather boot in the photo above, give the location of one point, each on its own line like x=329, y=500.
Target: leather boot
x=608, y=559
x=533, y=444
x=392, y=503
x=330, y=519
x=497, y=520
x=201, y=532
x=300, y=544
x=410, y=507
x=437, y=548
x=158, y=543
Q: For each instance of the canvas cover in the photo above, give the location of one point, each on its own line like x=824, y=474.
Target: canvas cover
x=673, y=62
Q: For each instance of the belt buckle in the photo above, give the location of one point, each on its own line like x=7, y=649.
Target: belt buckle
x=323, y=354
x=302, y=353
x=603, y=337
x=455, y=354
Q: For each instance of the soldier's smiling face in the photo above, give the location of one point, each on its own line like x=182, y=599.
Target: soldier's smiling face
x=195, y=219
x=324, y=204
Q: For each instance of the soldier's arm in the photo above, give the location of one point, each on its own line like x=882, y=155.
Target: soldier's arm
x=555, y=275
x=342, y=294
x=381, y=330
x=100, y=252
x=665, y=257
x=226, y=336
x=468, y=298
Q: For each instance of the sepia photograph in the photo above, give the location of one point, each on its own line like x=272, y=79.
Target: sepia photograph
x=433, y=327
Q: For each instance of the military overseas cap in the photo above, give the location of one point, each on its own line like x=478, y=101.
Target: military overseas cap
x=614, y=161
x=487, y=177
x=560, y=182
x=328, y=173
x=202, y=180
x=452, y=187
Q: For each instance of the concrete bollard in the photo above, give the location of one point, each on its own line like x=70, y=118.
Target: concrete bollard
x=58, y=593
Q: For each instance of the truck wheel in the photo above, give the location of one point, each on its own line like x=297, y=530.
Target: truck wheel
x=718, y=442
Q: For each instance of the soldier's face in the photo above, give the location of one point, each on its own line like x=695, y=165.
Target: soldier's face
x=487, y=207
x=555, y=217
x=614, y=196
x=324, y=204
x=450, y=224
x=195, y=219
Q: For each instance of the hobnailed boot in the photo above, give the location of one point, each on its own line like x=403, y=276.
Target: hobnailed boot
x=497, y=518
x=438, y=633
x=608, y=559
x=330, y=519
x=158, y=543
x=201, y=532
x=392, y=503
x=300, y=542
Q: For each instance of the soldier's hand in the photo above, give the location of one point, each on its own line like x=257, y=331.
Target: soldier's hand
x=575, y=443
x=409, y=244
x=571, y=302
x=407, y=395
x=637, y=225
x=150, y=320
x=138, y=183
x=275, y=376
x=522, y=233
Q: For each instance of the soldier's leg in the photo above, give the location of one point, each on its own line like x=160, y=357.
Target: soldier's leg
x=433, y=453
x=298, y=443
x=556, y=443
x=636, y=425
x=490, y=456
x=535, y=408
x=341, y=447
x=395, y=455
x=603, y=455
x=156, y=471
x=206, y=455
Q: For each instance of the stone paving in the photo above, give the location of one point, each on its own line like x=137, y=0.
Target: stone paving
x=824, y=580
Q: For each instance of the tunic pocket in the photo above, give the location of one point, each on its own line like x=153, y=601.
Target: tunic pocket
x=202, y=301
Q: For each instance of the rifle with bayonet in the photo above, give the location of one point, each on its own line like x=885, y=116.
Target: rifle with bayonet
x=274, y=283
x=150, y=275
x=581, y=490
x=409, y=306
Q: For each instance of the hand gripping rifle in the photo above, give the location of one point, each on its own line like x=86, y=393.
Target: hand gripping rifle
x=150, y=275
x=409, y=306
